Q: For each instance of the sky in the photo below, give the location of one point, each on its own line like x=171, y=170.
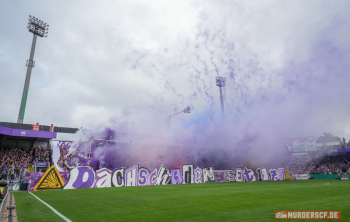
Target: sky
x=129, y=65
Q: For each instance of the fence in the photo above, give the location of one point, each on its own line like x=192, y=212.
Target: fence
x=3, y=205
x=5, y=176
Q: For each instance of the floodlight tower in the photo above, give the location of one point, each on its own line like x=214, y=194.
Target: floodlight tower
x=221, y=82
x=38, y=28
x=186, y=110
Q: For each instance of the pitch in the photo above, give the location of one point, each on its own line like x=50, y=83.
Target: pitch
x=256, y=201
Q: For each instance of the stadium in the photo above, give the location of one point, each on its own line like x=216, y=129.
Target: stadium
x=175, y=111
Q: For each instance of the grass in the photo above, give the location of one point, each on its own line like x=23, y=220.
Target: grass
x=255, y=201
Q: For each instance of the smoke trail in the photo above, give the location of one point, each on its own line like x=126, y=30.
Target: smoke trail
x=198, y=78
x=275, y=90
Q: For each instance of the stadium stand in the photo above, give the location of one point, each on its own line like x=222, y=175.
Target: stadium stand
x=333, y=163
x=56, y=129
x=21, y=147
x=17, y=125
x=338, y=164
x=15, y=160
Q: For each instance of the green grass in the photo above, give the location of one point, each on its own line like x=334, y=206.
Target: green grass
x=256, y=201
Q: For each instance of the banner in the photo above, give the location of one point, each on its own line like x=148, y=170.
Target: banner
x=300, y=154
x=51, y=180
x=328, y=145
x=36, y=127
x=25, y=178
x=27, y=133
x=301, y=176
x=35, y=177
x=14, y=181
x=65, y=157
x=42, y=164
x=15, y=187
x=86, y=177
x=287, y=175
x=301, y=144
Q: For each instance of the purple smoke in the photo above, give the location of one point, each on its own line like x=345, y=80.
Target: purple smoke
x=301, y=91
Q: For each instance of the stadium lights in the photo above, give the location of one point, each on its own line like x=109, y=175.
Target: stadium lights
x=221, y=82
x=37, y=27
x=41, y=29
x=185, y=110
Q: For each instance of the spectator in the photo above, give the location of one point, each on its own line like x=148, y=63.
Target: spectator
x=318, y=164
x=17, y=159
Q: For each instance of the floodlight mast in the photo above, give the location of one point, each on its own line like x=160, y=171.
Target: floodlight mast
x=221, y=82
x=38, y=28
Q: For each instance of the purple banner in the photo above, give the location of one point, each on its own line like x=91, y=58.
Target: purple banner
x=35, y=177
x=343, y=150
x=14, y=181
x=65, y=157
x=27, y=133
x=5, y=130
x=87, y=177
x=41, y=164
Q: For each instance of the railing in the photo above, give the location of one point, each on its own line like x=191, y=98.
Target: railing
x=5, y=176
x=2, y=206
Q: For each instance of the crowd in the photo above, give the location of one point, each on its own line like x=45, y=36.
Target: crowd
x=332, y=165
x=64, y=159
x=299, y=164
x=69, y=160
x=14, y=160
x=318, y=164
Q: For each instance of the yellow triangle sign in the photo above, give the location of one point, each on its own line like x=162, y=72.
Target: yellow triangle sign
x=51, y=180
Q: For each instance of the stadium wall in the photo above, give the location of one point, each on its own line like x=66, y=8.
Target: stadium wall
x=325, y=176
x=87, y=177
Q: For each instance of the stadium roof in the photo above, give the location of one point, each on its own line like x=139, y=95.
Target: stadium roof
x=6, y=132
